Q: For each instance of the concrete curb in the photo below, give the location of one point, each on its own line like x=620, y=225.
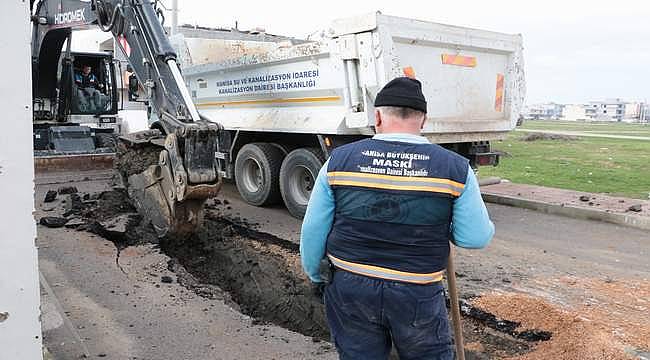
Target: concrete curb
x=635, y=221
x=490, y=180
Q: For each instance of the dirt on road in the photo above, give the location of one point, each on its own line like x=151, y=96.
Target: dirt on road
x=573, y=335
x=259, y=274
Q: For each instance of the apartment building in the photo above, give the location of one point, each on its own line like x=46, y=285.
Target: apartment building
x=608, y=110
x=545, y=111
x=574, y=112
x=637, y=112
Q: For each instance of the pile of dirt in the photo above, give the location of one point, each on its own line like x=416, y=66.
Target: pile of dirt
x=618, y=307
x=574, y=337
x=108, y=214
x=135, y=158
x=107, y=204
x=537, y=136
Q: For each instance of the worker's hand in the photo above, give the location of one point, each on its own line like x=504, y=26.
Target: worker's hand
x=318, y=290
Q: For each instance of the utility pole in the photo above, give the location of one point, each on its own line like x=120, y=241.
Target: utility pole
x=174, y=29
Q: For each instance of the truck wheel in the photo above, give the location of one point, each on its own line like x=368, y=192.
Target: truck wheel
x=297, y=178
x=257, y=169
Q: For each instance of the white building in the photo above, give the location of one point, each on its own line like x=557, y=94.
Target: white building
x=574, y=112
x=545, y=111
x=636, y=112
x=608, y=110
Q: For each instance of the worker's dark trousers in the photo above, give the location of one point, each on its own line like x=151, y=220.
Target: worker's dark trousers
x=367, y=315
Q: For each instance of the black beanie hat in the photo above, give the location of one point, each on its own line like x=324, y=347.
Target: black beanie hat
x=402, y=92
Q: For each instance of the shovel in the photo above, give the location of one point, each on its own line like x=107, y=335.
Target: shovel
x=455, y=308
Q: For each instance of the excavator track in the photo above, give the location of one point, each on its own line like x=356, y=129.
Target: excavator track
x=142, y=162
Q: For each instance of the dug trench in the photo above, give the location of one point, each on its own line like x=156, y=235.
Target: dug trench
x=261, y=274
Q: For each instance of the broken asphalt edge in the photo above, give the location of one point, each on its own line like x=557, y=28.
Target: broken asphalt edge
x=634, y=221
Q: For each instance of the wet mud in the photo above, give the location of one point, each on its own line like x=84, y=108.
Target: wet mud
x=261, y=277
x=135, y=158
x=502, y=325
x=260, y=272
x=110, y=214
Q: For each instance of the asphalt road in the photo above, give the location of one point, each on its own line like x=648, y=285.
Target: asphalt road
x=122, y=310
x=558, y=244
x=105, y=309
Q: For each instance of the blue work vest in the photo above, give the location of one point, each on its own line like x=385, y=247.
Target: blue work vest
x=85, y=81
x=394, y=204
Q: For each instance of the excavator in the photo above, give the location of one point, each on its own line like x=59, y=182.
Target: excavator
x=169, y=171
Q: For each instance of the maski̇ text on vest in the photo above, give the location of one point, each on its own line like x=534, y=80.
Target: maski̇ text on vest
x=394, y=163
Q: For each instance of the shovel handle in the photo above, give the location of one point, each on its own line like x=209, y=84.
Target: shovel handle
x=455, y=307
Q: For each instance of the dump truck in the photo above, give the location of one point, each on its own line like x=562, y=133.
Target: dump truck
x=283, y=110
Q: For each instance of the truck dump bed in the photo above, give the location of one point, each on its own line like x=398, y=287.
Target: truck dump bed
x=473, y=80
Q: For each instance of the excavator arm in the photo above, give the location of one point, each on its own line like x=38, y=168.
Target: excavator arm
x=169, y=174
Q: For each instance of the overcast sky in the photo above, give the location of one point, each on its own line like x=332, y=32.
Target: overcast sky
x=575, y=50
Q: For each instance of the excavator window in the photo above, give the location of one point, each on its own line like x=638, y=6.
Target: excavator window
x=91, y=86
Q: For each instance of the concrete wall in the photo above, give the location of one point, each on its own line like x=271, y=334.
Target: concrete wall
x=20, y=330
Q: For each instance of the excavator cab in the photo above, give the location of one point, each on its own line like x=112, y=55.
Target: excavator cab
x=86, y=89
x=75, y=96
x=90, y=79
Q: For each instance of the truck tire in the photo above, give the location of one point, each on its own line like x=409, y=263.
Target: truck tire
x=257, y=172
x=297, y=178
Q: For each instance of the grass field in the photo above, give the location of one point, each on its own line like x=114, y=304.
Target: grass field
x=618, y=167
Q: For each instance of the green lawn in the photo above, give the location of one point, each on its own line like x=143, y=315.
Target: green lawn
x=596, y=127
x=618, y=167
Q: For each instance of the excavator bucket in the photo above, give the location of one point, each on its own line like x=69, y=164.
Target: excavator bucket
x=169, y=218
x=156, y=187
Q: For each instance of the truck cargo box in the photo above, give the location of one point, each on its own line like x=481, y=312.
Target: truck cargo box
x=473, y=80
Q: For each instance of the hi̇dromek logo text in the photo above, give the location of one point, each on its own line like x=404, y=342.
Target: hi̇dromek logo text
x=70, y=17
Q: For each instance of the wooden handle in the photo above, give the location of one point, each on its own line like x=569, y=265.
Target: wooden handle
x=455, y=307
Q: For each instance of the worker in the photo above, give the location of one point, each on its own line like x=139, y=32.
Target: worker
x=90, y=98
x=382, y=212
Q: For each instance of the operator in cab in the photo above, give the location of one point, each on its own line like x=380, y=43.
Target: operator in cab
x=90, y=98
x=382, y=214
